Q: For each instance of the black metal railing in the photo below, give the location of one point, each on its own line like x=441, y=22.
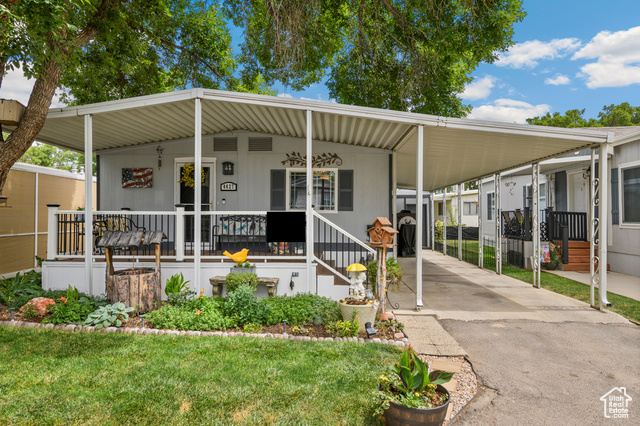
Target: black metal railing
x=576, y=223
x=234, y=232
x=71, y=232
x=488, y=253
x=336, y=248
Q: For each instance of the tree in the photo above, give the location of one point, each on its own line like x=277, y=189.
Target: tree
x=610, y=116
x=41, y=154
x=396, y=54
x=98, y=50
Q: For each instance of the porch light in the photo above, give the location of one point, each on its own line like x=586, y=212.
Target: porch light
x=227, y=168
x=159, y=150
x=587, y=173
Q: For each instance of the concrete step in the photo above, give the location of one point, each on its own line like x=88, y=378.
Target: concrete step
x=580, y=267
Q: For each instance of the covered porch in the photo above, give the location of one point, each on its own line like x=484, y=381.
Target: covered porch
x=424, y=153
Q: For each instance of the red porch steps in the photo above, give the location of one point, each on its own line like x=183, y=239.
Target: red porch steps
x=578, y=256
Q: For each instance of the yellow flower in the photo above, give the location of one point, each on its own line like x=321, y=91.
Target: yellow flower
x=417, y=394
x=383, y=377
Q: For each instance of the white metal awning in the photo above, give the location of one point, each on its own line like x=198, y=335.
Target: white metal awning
x=456, y=150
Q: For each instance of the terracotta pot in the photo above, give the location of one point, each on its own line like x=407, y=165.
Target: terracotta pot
x=365, y=313
x=400, y=415
x=387, y=316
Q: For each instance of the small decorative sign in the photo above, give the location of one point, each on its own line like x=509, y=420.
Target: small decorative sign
x=228, y=186
x=137, y=178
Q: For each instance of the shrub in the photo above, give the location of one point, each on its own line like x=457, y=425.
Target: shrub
x=17, y=291
x=201, y=313
x=244, y=308
x=394, y=272
x=69, y=312
x=344, y=328
x=234, y=281
x=301, y=308
x=109, y=315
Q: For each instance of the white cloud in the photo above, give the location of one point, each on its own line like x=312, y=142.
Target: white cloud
x=479, y=89
x=509, y=111
x=558, y=80
x=285, y=95
x=618, y=59
x=528, y=54
x=16, y=86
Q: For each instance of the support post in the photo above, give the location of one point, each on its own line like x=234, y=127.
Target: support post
x=432, y=222
x=197, y=198
x=52, y=231
x=444, y=221
x=309, y=199
x=394, y=207
x=459, y=221
x=604, y=221
x=179, y=233
x=480, y=236
x=594, y=230
x=88, y=201
x=419, y=218
x=498, y=223
x=535, y=200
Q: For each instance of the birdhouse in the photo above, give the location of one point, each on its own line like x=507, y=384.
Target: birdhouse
x=381, y=234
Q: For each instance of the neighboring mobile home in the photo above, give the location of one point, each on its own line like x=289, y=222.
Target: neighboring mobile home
x=301, y=219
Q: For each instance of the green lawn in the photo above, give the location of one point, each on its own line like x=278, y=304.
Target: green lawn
x=55, y=377
x=625, y=306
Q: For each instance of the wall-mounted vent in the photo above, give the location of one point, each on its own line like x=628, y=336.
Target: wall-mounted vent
x=260, y=144
x=225, y=144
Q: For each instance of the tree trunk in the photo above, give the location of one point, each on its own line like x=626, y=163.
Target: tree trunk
x=31, y=122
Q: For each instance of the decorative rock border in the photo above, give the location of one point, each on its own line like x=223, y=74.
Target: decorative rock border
x=135, y=330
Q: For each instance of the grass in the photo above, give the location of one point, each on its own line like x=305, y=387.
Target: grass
x=625, y=306
x=54, y=377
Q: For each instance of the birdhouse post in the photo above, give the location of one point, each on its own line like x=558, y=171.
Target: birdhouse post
x=381, y=235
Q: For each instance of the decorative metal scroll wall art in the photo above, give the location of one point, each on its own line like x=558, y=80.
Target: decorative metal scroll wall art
x=320, y=160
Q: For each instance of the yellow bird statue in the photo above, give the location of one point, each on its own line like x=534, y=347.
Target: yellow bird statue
x=239, y=257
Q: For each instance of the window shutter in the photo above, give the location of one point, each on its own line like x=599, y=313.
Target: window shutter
x=278, y=190
x=345, y=190
x=615, y=214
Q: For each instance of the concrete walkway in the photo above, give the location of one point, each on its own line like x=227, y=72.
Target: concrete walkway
x=542, y=358
x=624, y=285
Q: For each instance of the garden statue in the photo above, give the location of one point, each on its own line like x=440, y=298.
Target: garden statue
x=357, y=275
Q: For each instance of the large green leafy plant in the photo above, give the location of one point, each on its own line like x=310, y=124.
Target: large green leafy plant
x=19, y=290
x=108, y=316
x=409, y=383
x=177, y=290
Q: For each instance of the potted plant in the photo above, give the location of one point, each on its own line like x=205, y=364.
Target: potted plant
x=554, y=258
x=412, y=395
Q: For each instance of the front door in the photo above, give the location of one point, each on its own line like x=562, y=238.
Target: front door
x=185, y=194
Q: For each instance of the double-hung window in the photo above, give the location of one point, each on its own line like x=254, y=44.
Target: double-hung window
x=470, y=208
x=325, y=189
x=630, y=191
x=491, y=205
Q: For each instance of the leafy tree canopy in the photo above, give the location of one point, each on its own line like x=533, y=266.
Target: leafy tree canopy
x=610, y=116
x=45, y=155
x=407, y=55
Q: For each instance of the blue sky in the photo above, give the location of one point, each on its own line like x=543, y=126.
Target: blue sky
x=569, y=55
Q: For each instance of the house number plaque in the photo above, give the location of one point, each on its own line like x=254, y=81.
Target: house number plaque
x=228, y=186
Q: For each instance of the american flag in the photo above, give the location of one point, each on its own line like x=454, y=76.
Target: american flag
x=137, y=178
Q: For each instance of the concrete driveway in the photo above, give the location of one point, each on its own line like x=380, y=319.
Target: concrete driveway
x=543, y=358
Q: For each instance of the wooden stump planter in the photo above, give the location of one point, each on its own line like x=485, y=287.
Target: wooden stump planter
x=139, y=288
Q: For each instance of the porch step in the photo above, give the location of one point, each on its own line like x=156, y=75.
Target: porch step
x=580, y=267
x=578, y=258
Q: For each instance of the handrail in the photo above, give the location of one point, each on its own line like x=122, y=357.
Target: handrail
x=337, y=228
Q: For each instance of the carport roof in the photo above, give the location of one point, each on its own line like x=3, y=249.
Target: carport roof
x=455, y=150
